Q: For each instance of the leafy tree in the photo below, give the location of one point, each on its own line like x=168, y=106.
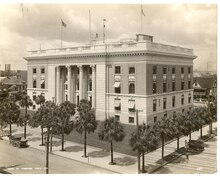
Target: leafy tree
x=40, y=100
x=148, y=141
x=25, y=102
x=111, y=130
x=212, y=114
x=85, y=122
x=64, y=124
x=163, y=127
x=45, y=116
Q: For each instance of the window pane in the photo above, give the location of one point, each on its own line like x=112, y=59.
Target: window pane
x=131, y=88
x=154, y=69
x=173, y=70
x=131, y=70
x=117, y=69
x=164, y=70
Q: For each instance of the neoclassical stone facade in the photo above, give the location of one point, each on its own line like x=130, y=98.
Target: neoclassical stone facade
x=117, y=78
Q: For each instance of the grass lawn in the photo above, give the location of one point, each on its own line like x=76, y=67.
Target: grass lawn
x=93, y=140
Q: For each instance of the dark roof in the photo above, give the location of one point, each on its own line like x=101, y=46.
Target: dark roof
x=12, y=81
x=205, y=82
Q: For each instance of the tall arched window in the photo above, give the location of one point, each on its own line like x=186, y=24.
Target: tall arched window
x=131, y=88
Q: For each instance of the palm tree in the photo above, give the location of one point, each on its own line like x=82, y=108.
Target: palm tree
x=40, y=100
x=163, y=126
x=111, y=130
x=45, y=116
x=25, y=102
x=148, y=141
x=85, y=122
x=10, y=112
x=188, y=123
x=65, y=125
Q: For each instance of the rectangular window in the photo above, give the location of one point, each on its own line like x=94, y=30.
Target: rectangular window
x=117, y=89
x=42, y=70
x=34, y=83
x=154, y=70
x=182, y=85
x=164, y=103
x=154, y=87
x=66, y=97
x=164, y=70
x=66, y=87
x=189, y=70
x=182, y=70
x=34, y=70
x=173, y=86
x=182, y=99
x=155, y=119
x=117, y=117
x=77, y=99
x=42, y=84
x=173, y=101
x=117, y=70
x=131, y=70
x=154, y=105
x=131, y=120
x=189, y=100
x=173, y=70
x=164, y=87
x=34, y=97
x=183, y=110
x=189, y=84
x=34, y=106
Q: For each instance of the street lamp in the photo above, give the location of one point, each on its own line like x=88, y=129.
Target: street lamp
x=137, y=123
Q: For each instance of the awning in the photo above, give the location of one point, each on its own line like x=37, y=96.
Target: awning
x=117, y=84
x=42, y=81
x=117, y=103
x=131, y=104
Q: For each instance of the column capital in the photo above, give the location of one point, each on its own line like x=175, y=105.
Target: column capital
x=58, y=68
x=92, y=66
x=68, y=67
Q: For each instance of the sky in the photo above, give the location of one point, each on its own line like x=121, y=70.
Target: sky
x=33, y=26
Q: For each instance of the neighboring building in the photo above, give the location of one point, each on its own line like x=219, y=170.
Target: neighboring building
x=205, y=87
x=118, y=78
x=14, y=84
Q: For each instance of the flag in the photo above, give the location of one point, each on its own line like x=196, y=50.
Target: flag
x=62, y=23
x=142, y=12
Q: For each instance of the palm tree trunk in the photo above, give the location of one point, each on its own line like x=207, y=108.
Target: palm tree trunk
x=112, y=160
x=178, y=143
x=190, y=136
x=62, y=140
x=85, y=144
x=25, y=123
x=10, y=130
x=201, y=132
x=25, y=129
x=143, y=163
x=51, y=141
x=162, y=147
x=47, y=151
x=42, y=136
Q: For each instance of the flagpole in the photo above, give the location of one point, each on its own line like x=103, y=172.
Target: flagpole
x=61, y=35
x=89, y=27
x=141, y=18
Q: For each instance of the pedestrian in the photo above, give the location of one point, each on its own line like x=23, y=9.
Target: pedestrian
x=187, y=148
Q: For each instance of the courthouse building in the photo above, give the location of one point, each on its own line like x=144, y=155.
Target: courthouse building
x=118, y=78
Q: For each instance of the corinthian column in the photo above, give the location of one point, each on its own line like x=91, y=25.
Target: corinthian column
x=80, y=82
x=93, y=85
x=58, y=85
x=68, y=82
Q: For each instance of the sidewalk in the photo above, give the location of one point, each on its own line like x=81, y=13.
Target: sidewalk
x=126, y=164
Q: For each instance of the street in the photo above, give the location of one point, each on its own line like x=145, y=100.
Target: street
x=32, y=161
